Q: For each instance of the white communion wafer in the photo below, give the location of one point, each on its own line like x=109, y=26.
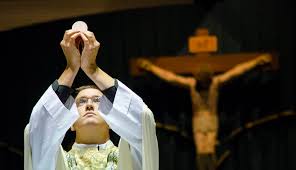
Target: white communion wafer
x=79, y=26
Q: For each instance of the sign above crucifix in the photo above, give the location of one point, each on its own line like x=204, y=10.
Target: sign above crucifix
x=202, y=42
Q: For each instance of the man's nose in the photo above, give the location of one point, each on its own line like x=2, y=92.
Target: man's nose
x=89, y=105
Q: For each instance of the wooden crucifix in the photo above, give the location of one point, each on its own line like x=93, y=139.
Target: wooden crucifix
x=202, y=47
x=204, y=102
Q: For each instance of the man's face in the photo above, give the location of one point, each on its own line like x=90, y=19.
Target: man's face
x=87, y=102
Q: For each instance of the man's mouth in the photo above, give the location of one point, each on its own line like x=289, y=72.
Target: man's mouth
x=89, y=114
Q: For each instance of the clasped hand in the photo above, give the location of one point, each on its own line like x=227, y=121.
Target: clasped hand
x=76, y=59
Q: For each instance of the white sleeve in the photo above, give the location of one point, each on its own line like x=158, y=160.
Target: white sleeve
x=150, y=143
x=124, y=117
x=49, y=122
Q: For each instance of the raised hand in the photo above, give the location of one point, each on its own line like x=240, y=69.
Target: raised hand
x=88, y=62
x=264, y=59
x=89, y=53
x=71, y=53
x=144, y=64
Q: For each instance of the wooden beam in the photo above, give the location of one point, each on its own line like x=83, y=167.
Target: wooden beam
x=192, y=63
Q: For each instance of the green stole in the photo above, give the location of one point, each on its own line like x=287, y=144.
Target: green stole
x=89, y=157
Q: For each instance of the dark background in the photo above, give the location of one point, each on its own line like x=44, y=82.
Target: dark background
x=32, y=59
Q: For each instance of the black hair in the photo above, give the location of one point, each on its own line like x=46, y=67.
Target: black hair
x=203, y=80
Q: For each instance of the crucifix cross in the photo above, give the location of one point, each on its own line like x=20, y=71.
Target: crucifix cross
x=202, y=47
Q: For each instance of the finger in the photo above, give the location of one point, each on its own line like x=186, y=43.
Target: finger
x=85, y=39
x=90, y=35
x=73, y=37
x=68, y=34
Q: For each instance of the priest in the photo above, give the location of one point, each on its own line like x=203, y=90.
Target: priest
x=107, y=104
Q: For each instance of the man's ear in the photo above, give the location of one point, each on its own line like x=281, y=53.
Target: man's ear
x=72, y=128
